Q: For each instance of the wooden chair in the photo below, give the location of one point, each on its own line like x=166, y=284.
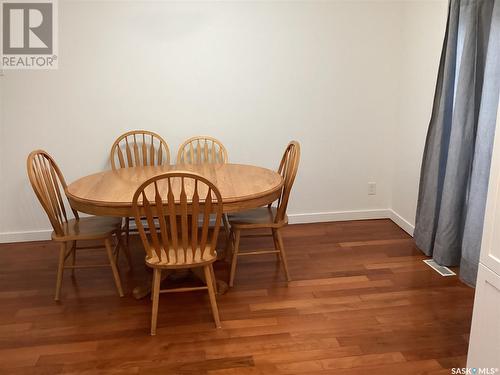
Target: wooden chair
x=273, y=218
x=138, y=148
x=49, y=186
x=202, y=149
x=179, y=205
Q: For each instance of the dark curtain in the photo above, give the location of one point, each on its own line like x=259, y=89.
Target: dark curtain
x=457, y=155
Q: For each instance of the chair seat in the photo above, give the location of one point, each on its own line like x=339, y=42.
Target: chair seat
x=255, y=218
x=177, y=258
x=89, y=228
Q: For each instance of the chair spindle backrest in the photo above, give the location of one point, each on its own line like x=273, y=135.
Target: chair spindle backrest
x=202, y=149
x=49, y=186
x=288, y=170
x=139, y=148
x=179, y=205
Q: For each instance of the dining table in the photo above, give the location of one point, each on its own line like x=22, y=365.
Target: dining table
x=110, y=193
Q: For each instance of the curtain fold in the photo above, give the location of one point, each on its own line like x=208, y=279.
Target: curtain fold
x=457, y=155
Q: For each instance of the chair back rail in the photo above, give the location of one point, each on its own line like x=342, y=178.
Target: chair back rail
x=180, y=206
x=288, y=168
x=49, y=186
x=202, y=149
x=139, y=148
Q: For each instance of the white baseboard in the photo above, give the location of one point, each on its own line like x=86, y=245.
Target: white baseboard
x=25, y=236
x=402, y=222
x=318, y=217
x=313, y=217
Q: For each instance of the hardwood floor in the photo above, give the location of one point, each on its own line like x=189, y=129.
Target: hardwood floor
x=362, y=302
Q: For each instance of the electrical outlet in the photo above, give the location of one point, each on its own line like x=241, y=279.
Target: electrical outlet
x=372, y=188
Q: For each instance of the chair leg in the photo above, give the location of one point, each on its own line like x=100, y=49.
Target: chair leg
x=214, y=280
x=229, y=246
x=127, y=231
x=153, y=280
x=227, y=230
x=60, y=270
x=73, y=258
x=276, y=244
x=116, y=252
x=155, y=297
x=116, y=275
x=282, y=253
x=236, y=249
x=211, y=295
x=124, y=245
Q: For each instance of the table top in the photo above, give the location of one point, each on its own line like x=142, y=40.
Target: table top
x=110, y=192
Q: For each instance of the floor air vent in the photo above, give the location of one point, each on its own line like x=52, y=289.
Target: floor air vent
x=442, y=270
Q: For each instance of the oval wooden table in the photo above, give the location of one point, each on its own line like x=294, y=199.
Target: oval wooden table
x=110, y=193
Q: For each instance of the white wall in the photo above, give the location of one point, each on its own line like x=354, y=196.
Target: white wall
x=422, y=35
x=3, y=175
x=329, y=74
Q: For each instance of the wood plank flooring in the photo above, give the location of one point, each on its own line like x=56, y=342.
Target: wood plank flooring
x=362, y=302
